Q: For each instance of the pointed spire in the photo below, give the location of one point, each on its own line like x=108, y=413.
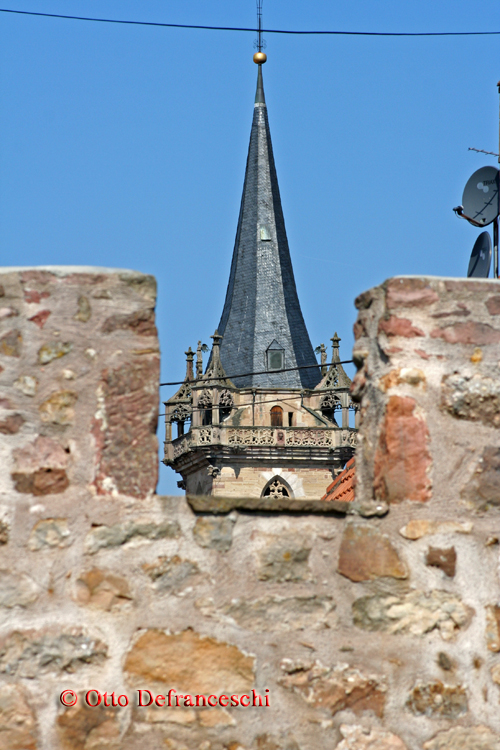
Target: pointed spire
x=183, y=395
x=336, y=377
x=189, y=364
x=259, y=94
x=216, y=349
x=215, y=371
x=335, y=347
x=262, y=309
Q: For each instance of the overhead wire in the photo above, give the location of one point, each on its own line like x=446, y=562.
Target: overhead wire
x=259, y=372
x=242, y=28
x=215, y=28
x=270, y=400
x=267, y=401
x=239, y=28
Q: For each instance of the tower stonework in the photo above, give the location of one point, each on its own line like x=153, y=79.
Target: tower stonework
x=265, y=418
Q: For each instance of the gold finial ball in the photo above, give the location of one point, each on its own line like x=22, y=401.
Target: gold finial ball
x=259, y=58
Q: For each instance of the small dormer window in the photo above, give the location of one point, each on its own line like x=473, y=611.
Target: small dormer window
x=265, y=232
x=275, y=356
x=275, y=360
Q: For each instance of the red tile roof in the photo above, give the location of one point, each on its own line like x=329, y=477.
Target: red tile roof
x=342, y=487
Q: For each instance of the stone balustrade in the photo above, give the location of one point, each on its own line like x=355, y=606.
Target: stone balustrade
x=320, y=437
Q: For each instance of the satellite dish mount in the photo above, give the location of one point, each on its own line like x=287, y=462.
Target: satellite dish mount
x=481, y=206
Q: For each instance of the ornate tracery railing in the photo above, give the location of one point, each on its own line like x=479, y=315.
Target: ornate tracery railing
x=307, y=437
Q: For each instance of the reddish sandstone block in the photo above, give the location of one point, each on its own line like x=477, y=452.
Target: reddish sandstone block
x=468, y=333
x=141, y=322
x=129, y=398
x=402, y=458
x=422, y=354
x=394, y=326
x=442, y=558
x=11, y=424
x=32, y=296
x=493, y=305
x=409, y=293
x=40, y=318
x=41, y=482
x=366, y=554
x=190, y=662
x=40, y=468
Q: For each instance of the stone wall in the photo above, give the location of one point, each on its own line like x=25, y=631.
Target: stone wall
x=428, y=357
x=379, y=630
x=79, y=369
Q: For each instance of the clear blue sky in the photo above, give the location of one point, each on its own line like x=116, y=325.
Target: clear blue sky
x=125, y=146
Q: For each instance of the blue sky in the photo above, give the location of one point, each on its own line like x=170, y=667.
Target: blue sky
x=125, y=146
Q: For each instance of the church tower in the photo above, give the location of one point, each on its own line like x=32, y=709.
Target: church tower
x=264, y=418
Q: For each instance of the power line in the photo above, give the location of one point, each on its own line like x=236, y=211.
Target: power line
x=259, y=372
x=267, y=401
x=240, y=28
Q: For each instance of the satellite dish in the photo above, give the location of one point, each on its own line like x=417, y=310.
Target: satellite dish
x=480, y=198
x=480, y=259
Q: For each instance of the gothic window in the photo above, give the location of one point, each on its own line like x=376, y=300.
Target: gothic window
x=181, y=416
x=275, y=356
x=225, y=405
x=276, y=416
x=329, y=405
x=205, y=406
x=277, y=487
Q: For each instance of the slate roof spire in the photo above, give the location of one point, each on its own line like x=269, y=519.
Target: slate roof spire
x=262, y=314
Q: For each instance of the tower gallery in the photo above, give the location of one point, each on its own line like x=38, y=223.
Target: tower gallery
x=264, y=419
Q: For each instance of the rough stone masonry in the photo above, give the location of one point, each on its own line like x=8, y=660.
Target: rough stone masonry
x=373, y=630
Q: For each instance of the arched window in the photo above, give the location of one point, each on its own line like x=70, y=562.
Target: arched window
x=205, y=406
x=277, y=487
x=225, y=405
x=276, y=416
x=182, y=418
x=329, y=405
